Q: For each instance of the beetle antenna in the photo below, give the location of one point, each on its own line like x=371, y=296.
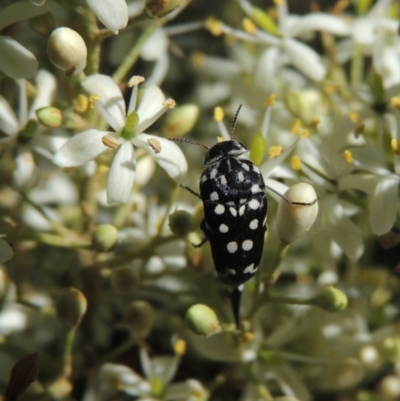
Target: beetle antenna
x=233, y=125
x=189, y=141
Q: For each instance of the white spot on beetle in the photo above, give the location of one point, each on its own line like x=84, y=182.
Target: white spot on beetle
x=245, y=166
x=203, y=178
x=250, y=269
x=254, y=204
x=219, y=209
x=223, y=180
x=240, y=176
x=241, y=210
x=255, y=188
x=214, y=196
x=233, y=211
x=213, y=173
x=247, y=245
x=232, y=247
x=253, y=224
x=223, y=228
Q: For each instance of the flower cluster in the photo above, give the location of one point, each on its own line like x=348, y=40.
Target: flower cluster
x=101, y=268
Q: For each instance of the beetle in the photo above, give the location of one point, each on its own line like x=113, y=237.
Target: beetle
x=233, y=193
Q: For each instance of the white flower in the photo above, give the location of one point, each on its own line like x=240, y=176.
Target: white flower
x=129, y=126
x=159, y=373
x=112, y=13
x=25, y=168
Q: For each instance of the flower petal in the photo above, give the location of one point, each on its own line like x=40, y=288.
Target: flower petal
x=305, y=59
x=23, y=10
x=112, y=13
x=155, y=46
x=318, y=22
x=80, y=149
x=384, y=205
x=46, y=86
x=6, y=252
x=122, y=174
x=16, y=61
x=150, y=105
x=25, y=169
x=167, y=154
x=111, y=104
x=8, y=121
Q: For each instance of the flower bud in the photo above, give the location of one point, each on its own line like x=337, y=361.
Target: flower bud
x=257, y=149
x=391, y=349
x=181, y=222
x=140, y=318
x=71, y=306
x=293, y=220
x=124, y=280
x=389, y=388
x=49, y=117
x=105, y=237
x=331, y=299
x=67, y=51
x=160, y=8
x=181, y=120
x=202, y=320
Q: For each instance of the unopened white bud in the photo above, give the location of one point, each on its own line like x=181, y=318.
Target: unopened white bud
x=67, y=50
x=293, y=220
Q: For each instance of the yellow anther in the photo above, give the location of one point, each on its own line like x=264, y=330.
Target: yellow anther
x=354, y=117
x=246, y=337
x=169, y=103
x=347, y=156
x=82, y=103
x=110, y=142
x=275, y=151
x=67, y=169
x=198, y=59
x=296, y=125
x=359, y=130
x=395, y=102
x=270, y=100
x=92, y=100
x=295, y=162
x=197, y=394
x=330, y=89
x=218, y=114
x=249, y=26
x=135, y=80
x=220, y=139
x=394, y=144
x=180, y=347
x=214, y=26
x=314, y=122
x=279, y=2
x=304, y=133
x=155, y=145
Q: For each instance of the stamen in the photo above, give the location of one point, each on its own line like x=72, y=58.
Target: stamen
x=249, y=26
x=198, y=59
x=169, y=103
x=110, y=142
x=296, y=125
x=354, y=117
x=395, y=102
x=359, y=130
x=155, y=144
x=135, y=80
x=180, y=347
x=304, y=133
x=394, y=144
x=275, y=151
x=314, y=122
x=214, y=26
x=82, y=103
x=270, y=100
x=92, y=100
x=218, y=114
x=347, y=156
x=295, y=163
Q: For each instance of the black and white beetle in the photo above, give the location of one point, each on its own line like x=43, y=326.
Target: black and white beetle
x=233, y=193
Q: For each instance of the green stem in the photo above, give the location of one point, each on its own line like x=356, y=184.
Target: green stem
x=63, y=242
x=119, y=350
x=262, y=390
x=67, y=352
x=356, y=71
x=290, y=300
x=133, y=55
